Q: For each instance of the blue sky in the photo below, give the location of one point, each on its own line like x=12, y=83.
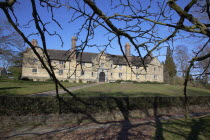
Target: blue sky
x=23, y=12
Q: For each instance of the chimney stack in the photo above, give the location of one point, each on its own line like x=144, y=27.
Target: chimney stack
x=127, y=49
x=73, y=47
x=34, y=42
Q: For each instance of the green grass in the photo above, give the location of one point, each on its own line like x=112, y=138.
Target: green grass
x=190, y=129
x=116, y=89
x=11, y=87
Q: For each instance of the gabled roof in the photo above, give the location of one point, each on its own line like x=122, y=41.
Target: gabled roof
x=87, y=57
x=59, y=54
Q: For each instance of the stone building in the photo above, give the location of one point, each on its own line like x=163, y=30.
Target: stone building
x=75, y=66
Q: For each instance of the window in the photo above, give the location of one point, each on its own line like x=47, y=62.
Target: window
x=154, y=69
x=92, y=74
x=60, y=72
x=111, y=66
x=137, y=76
x=102, y=64
x=155, y=76
x=61, y=62
x=92, y=64
x=34, y=70
x=137, y=67
x=35, y=60
x=83, y=64
x=120, y=66
x=111, y=74
x=120, y=75
x=82, y=72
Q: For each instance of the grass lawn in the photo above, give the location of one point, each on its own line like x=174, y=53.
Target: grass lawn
x=190, y=129
x=11, y=87
x=116, y=89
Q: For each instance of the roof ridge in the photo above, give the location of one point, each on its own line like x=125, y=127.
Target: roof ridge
x=88, y=52
x=57, y=50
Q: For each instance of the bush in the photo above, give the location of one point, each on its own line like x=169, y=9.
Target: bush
x=26, y=79
x=66, y=80
x=22, y=105
x=207, y=86
x=80, y=80
x=118, y=81
x=16, y=72
x=150, y=82
x=3, y=77
x=49, y=80
x=90, y=82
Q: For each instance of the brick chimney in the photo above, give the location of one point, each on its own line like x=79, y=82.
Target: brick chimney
x=34, y=42
x=73, y=47
x=128, y=49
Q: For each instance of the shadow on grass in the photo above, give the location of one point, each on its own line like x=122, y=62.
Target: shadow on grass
x=7, y=91
x=127, y=127
x=196, y=92
x=118, y=94
x=7, y=88
x=199, y=127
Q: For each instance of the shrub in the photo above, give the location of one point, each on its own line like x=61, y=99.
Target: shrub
x=80, y=80
x=118, y=81
x=89, y=82
x=23, y=105
x=48, y=80
x=26, y=79
x=3, y=77
x=66, y=80
x=150, y=82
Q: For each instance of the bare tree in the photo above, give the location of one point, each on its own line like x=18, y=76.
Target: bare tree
x=182, y=57
x=136, y=21
x=203, y=67
x=10, y=43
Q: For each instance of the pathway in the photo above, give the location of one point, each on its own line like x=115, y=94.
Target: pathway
x=47, y=130
x=61, y=91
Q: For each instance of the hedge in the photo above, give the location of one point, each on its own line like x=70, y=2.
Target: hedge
x=25, y=105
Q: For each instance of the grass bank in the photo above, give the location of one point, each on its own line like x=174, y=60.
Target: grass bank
x=12, y=87
x=182, y=129
x=128, y=89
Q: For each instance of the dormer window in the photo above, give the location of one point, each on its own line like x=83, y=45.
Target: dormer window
x=61, y=62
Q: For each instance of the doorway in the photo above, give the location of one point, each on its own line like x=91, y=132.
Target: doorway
x=102, y=77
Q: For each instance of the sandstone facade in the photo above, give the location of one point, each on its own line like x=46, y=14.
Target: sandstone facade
x=75, y=66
